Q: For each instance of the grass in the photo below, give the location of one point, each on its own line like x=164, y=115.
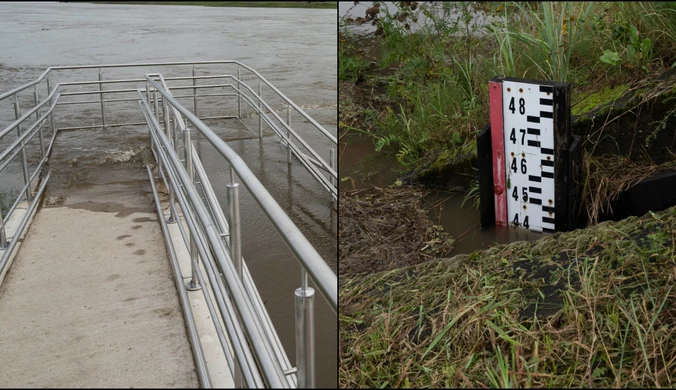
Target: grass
x=6, y=199
x=589, y=308
x=263, y=4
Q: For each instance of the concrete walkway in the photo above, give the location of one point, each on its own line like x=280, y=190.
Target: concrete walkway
x=90, y=301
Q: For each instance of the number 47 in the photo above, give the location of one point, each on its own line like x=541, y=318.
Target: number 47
x=512, y=136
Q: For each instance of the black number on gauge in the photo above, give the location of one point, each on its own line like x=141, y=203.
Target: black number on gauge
x=522, y=106
x=516, y=219
x=523, y=165
x=512, y=136
x=525, y=196
x=515, y=193
x=525, y=222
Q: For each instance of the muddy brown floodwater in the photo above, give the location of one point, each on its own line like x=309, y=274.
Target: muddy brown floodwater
x=361, y=167
x=295, y=49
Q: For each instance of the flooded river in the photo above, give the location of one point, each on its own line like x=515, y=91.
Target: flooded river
x=295, y=49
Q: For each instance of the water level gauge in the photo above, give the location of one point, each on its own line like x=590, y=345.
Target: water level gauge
x=530, y=137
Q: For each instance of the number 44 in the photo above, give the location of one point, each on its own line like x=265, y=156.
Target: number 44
x=516, y=221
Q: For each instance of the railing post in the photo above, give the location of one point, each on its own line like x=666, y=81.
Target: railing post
x=103, y=104
x=193, y=284
x=235, y=247
x=194, y=91
x=288, y=134
x=24, y=161
x=239, y=94
x=235, y=227
x=37, y=116
x=3, y=237
x=332, y=162
x=260, y=110
x=156, y=105
x=51, y=114
x=305, y=334
x=148, y=98
x=167, y=131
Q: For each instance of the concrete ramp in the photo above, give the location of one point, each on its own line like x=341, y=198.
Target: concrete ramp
x=90, y=301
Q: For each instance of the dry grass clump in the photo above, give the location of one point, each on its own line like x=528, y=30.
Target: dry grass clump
x=608, y=176
x=589, y=308
x=386, y=228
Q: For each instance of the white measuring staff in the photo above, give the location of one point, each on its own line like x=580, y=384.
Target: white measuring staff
x=528, y=130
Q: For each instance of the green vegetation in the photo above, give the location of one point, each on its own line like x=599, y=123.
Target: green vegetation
x=265, y=4
x=435, y=61
x=7, y=197
x=589, y=308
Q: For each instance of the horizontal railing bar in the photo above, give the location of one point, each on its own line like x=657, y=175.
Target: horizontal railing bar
x=235, y=285
x=289, y=129
x=98, y=101
x=98, y=92
x=9, y=161
x=218, y=325
x=220, y=117
x=25, y=139
x=22, y=225
x=26, y=115
x=100, y=126
x=202, y=86
x=198, y=353
x=77, y=93
x=323, y=181
x=292, y=104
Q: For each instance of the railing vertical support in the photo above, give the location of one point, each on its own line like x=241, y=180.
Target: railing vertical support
x=103, y=104
x=288, y=134
x=239, y=93
x=193, y=284
x=167, y=131
x=235, y=227
x=37, y=116
x=24, y=161
x=51, y=114
x=156, y=105
x=305, y=334
x=235, y=247
x=194, y=91
x=3, y=237
x=260, y=110
x=332, y=162
x=148, y=98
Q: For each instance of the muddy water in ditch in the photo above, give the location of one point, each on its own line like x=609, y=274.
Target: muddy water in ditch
x=295, y=49
x=362, y=167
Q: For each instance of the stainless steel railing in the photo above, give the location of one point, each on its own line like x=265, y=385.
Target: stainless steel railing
x=247, y=336
x=325, y=173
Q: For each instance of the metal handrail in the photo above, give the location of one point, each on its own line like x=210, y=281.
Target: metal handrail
x=219, y=218
x=270, y=368
x=263, y=79
x=308, y=257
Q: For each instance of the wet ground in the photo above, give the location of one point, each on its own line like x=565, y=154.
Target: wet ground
x=295, y=49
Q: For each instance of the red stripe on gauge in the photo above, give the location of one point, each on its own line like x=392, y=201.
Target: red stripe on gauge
x=498, y=143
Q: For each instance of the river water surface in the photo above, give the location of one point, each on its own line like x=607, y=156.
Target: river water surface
x=295, y=49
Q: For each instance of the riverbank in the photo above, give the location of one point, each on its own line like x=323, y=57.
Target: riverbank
x=264, y=4
x=586, y=308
